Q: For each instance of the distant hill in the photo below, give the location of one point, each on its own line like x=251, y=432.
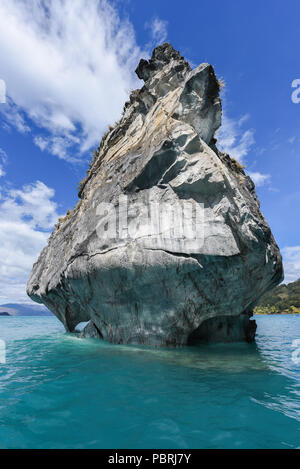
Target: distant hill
x=4, y=314
x=24, y=309
x=283, y=299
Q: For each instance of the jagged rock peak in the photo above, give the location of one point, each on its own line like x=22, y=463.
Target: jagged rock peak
x=161, y=56
x=167, y=74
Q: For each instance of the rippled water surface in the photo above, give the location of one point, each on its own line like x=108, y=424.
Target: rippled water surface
x=58, y=391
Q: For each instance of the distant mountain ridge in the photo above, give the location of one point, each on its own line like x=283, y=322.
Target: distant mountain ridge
x=24, y=309
x=283, y=299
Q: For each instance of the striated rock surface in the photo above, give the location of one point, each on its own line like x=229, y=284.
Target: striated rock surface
x=156, y=282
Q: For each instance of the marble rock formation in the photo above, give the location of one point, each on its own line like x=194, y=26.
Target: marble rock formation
x=167, y=245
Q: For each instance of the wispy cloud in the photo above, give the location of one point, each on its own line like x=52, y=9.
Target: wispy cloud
x=233, y=139
x=13, y=116
x=59, y=146
x=291, y=262
x=158, y=29
x=258, y=178
x=27, y=216
x=237, y=141
x=3, y=160
x=68, y=66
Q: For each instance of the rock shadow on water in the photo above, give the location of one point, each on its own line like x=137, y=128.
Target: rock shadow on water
x=234, y=357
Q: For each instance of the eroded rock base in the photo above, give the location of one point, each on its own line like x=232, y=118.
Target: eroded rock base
x=91, y=331
x=225, y=329
x=217, y=329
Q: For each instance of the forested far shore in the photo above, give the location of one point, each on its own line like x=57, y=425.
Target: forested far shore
x=284, y=299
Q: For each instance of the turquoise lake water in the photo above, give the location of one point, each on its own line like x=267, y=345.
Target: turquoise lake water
x=59, y=391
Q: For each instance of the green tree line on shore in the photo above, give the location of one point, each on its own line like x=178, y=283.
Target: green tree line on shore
x=283, y=299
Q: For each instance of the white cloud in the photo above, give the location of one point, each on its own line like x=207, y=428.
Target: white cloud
x=27, y=216
x=291, y=263
x=68, y=66
x=13, y=116
x=259, y=179
x=2, y=91
x=3, y=155
x=3, y=159
x=237, y=142
x=158, y=29
x=243, y=119
x=41, y=142
x=233, y=139
x=58, y=145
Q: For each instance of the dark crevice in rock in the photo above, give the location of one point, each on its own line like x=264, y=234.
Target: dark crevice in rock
x=154, y=169
x=224, y=329
x=91, y=331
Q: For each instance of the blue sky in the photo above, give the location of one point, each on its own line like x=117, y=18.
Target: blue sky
x=68, y=67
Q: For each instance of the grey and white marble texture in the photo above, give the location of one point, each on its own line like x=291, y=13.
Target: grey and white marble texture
x=148, y=288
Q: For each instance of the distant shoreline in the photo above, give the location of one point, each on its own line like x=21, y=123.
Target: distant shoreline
x=276, y=314
x=27, y=315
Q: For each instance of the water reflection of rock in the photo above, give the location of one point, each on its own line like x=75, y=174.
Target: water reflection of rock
x=231, y=358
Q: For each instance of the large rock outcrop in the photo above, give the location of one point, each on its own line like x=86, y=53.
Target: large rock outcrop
x=197, y=269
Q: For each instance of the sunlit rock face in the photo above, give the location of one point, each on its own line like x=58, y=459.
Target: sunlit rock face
x=167, y=245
